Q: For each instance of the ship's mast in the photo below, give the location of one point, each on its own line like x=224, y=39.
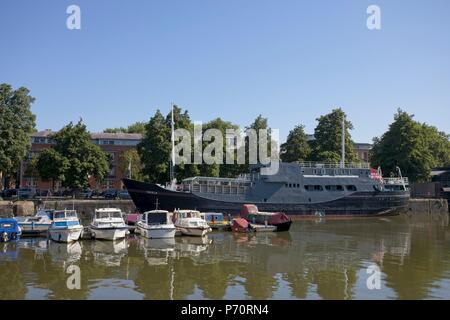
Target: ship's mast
x=172, y=162
x=343, y=143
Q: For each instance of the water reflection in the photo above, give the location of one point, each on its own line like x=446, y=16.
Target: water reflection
x=107, y=253
x=325, y=260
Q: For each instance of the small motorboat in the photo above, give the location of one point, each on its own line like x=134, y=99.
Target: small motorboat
x=38, y=224
x=190, y=223
x=215, y=220
x=156, y=224
x=9, y=230
x=108, y=224
x=278, y=219
x=65, y=227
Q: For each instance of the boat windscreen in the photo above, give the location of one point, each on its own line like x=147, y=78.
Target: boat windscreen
x=71, y=214
x=115, y=214
x=157, y=218
x=59, y=215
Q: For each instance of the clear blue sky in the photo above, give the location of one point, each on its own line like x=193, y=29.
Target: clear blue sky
x=291, y=61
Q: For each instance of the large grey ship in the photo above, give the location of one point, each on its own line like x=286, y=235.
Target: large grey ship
x=304, y=189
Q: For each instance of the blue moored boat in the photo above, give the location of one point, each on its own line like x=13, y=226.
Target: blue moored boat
x=9, y=230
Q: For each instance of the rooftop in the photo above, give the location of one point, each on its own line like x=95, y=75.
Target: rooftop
x=95, y=136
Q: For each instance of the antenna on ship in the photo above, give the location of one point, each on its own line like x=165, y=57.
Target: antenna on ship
x=343, y=143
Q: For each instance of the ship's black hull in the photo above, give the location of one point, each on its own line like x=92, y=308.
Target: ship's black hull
x=146, y=196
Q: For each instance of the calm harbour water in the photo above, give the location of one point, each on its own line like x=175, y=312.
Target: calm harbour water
x=316, y=259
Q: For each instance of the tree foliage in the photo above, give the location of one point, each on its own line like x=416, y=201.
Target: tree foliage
x=328, y=138
x=17, y=123
x=412, y=146
x=154, y=149
x=73, y=158
x=130, y=164
x=296, y=147
x=137, y=127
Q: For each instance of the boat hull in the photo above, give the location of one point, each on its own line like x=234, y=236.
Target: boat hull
x=284, y=226
x=263, y=228
x=193, y=231
x=375, y=203
x=108, y=233
x=65, y=234
x=157, y=232
x=34, y=228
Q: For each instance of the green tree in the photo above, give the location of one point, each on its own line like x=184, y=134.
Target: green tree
x=412, y=146
x=223, y=170
x=328, y=137
x=296, y=147
x=73, y=158
x=50, y=165
x=137, y=127
x=17, y=123
x=130, y=163
x=155, y=148
x=259, y=123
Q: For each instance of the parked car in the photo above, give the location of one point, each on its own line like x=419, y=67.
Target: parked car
x=110, y=194
x=26, y=193
x=123, y=194
x=9, y=194
x=43, y=193
x=86, y=193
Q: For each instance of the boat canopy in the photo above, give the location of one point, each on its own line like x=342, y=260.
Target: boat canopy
x=45, y=213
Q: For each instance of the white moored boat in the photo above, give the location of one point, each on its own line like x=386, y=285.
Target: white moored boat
x=190, y=223
x=156, y=224
x=65, y=227
x=108, y=224
x=37, y=224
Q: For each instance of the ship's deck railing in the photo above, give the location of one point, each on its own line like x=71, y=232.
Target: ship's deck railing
x=396, y=180
x=240, y=179
x=333, y=165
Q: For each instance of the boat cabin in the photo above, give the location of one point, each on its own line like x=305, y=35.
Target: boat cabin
x=183, y=214
x=156, y=217
x=238, y=185
x=108, y=213
x=213, y=217
x=65, y=214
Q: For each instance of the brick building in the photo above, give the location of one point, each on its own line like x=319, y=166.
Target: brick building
x=112, y=143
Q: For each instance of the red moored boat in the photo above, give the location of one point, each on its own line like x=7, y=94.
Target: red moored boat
x=278, y=219
x=240, y=225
